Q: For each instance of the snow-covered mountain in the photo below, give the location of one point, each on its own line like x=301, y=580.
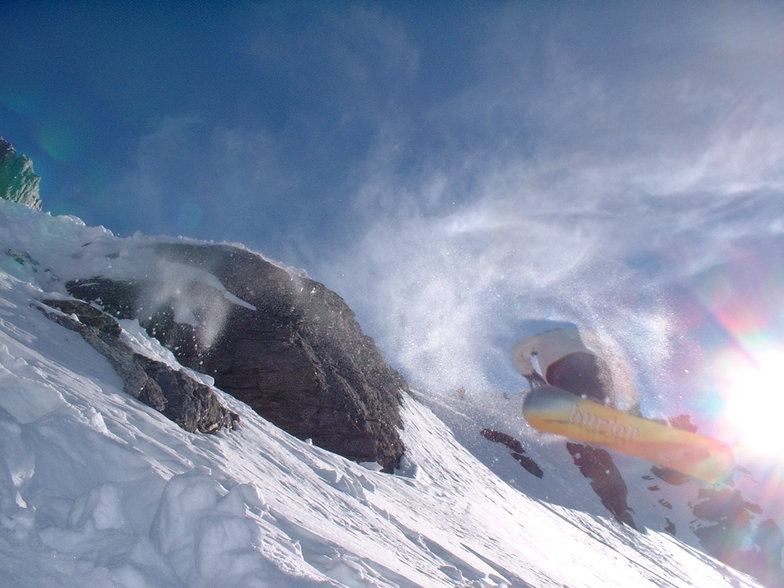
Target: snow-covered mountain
x=99, y=489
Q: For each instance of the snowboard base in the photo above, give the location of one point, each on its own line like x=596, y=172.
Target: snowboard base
x=553, y=410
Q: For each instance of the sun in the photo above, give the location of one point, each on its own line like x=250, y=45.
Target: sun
x=753, y=391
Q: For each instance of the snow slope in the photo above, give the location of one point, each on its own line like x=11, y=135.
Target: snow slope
x=560, y=484
x=97, y=489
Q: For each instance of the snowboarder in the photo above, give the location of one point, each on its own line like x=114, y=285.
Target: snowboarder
x=560, y=357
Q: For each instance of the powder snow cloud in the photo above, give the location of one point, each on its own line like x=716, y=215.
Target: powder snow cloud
x=591, y=165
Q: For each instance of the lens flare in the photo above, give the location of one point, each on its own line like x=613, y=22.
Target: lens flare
x=741, y=336
x=752, y=386
x=59, y=142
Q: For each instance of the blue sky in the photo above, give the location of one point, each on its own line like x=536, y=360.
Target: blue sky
x=455, y=170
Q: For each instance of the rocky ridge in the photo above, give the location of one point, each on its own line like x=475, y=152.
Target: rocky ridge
x=292, y=349
x=188, y=402
x=18, y=181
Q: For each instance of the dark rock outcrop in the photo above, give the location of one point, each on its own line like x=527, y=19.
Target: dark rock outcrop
x=727, y=528
x=187, y=402
x=670, y=476
x=606, y=480
x=18, y=181
x=683, y=421
x=284, y=344
x=517, y=451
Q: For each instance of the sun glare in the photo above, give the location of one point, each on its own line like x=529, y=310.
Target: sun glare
x=754, y=400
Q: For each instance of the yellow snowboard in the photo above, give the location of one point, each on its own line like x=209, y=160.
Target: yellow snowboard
x=554, y=410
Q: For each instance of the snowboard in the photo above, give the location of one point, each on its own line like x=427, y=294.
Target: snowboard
x=553, y=410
